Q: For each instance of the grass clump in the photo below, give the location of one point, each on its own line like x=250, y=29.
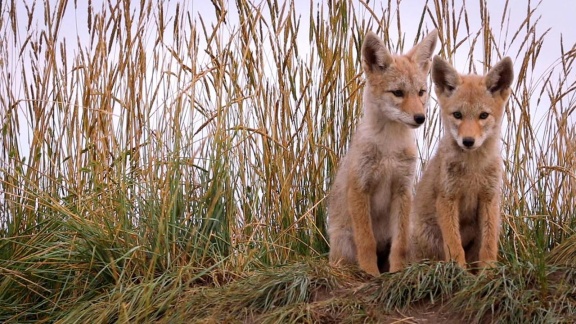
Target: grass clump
x=313, y=292
x=516, y=293
x=422, y=283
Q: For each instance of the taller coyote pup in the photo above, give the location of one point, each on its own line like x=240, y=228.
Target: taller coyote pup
x=369, y=203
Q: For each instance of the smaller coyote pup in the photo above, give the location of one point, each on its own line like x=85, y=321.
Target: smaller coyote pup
x=369, y=203
x=456, y=211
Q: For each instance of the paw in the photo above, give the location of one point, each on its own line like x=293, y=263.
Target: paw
x=398, y=259
x=458, y=257
x=396, y=267
x=487, y=264
x=370, y=268
x=461, y=262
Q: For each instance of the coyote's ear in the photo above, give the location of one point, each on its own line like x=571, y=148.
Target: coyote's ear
x=375, y=56
x=500, y=77
x=422, y=52
x=444, y=76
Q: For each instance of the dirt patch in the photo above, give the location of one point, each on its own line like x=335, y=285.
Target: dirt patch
x=421, y=312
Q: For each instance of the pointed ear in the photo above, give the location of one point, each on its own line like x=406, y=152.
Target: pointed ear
x=500, y=76
x=375, y=56
x=444, y=76
x=422, y=52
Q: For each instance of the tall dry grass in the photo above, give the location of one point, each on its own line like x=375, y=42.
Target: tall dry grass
x=164, y=149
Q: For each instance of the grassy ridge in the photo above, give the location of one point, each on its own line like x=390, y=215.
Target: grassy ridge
x=164, y=158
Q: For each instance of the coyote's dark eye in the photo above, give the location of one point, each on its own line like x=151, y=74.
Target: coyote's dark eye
x=421, y=92
x=457, y=115
x=484, y=115
x=398, y=93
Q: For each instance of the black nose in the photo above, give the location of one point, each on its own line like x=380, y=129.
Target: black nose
x=468, y=141
x=419, y=119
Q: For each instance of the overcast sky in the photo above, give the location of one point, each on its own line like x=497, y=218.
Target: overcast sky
x=557, y=16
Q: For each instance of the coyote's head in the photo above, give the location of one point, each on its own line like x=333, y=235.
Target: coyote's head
x=396, y=86
x=472, y=106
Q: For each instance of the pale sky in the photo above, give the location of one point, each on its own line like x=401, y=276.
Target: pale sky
x=557, y=16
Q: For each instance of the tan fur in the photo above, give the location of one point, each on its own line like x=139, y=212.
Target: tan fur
x=370, y=199
x=456, y=210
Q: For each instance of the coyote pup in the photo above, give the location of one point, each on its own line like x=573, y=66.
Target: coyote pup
x=369, y=203
x=456, y=211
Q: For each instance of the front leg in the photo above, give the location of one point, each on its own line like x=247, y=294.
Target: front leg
x=449, y=222
x=400, y=213
x=489, y=219
x=359, y=209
